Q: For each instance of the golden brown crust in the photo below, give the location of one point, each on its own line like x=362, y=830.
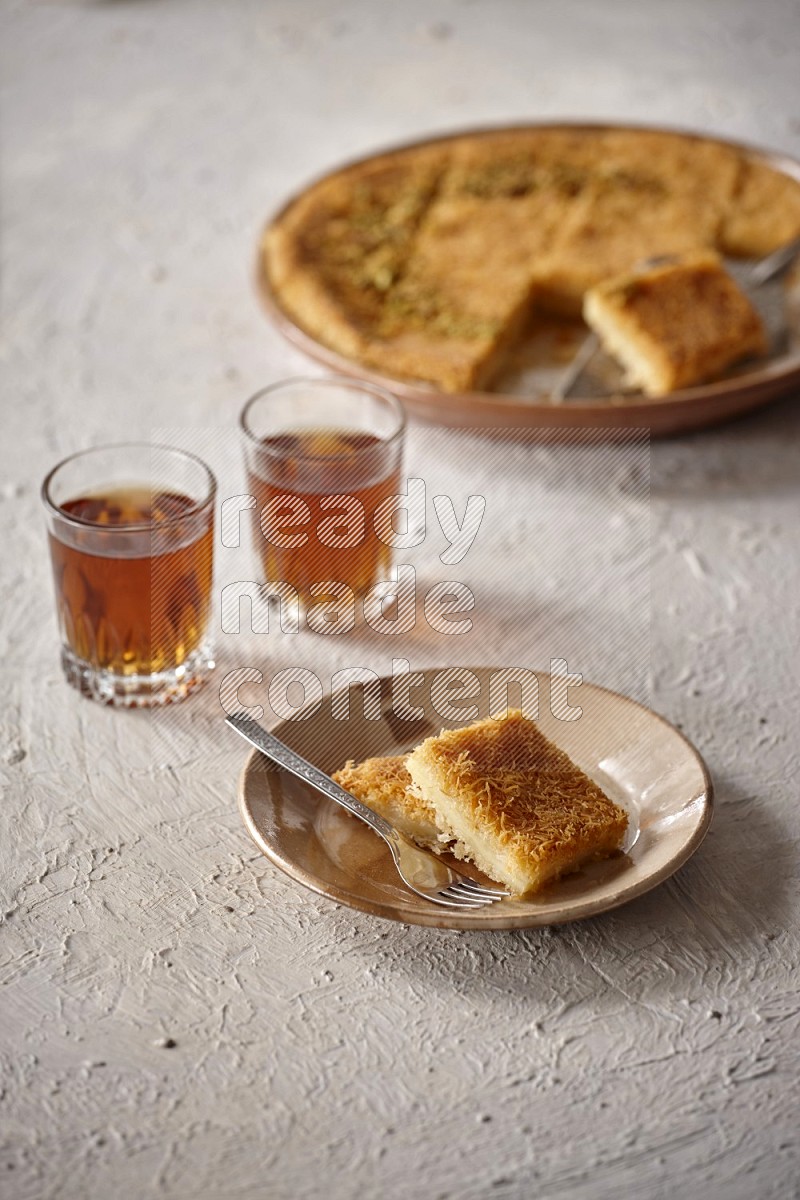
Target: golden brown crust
x=677, y=324
x=334, y=253
x=522, y=810
x=764, y=213
x=649, y=194
x=612, y=231
x=458, y=304
x=384, y=785
x=425, y=263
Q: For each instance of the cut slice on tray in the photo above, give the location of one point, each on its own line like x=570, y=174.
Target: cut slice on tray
x=675, y=324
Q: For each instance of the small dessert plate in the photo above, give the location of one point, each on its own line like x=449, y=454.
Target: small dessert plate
x=639, y=759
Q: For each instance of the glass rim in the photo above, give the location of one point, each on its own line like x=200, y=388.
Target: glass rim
x=135, y=526
x=360, y=385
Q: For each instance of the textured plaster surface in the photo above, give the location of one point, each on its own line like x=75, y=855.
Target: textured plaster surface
x=179, y=1020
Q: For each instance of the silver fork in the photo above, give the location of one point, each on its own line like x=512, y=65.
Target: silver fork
x=420, y=870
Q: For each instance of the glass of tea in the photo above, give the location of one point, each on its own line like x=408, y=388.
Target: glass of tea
x=322, y=456
x=131, y=532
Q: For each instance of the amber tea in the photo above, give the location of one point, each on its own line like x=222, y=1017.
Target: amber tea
x=317, y=491
x=139, y=603
x=132, y=566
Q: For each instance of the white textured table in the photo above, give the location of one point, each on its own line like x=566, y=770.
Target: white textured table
x=177, y=1018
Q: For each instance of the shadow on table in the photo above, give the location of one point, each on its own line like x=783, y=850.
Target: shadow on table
x=715, y=916
x=527, y=628
x=756, y=454
x=733, y=895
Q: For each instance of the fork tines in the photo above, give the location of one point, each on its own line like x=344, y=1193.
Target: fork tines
x=469, y=894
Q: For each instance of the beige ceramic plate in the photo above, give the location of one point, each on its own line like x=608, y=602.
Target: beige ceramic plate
x=521, y=399
x=639, y=759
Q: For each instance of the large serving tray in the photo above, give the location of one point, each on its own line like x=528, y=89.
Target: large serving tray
x=522, y=399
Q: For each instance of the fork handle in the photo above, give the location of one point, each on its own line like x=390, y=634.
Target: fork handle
x=290, y=760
